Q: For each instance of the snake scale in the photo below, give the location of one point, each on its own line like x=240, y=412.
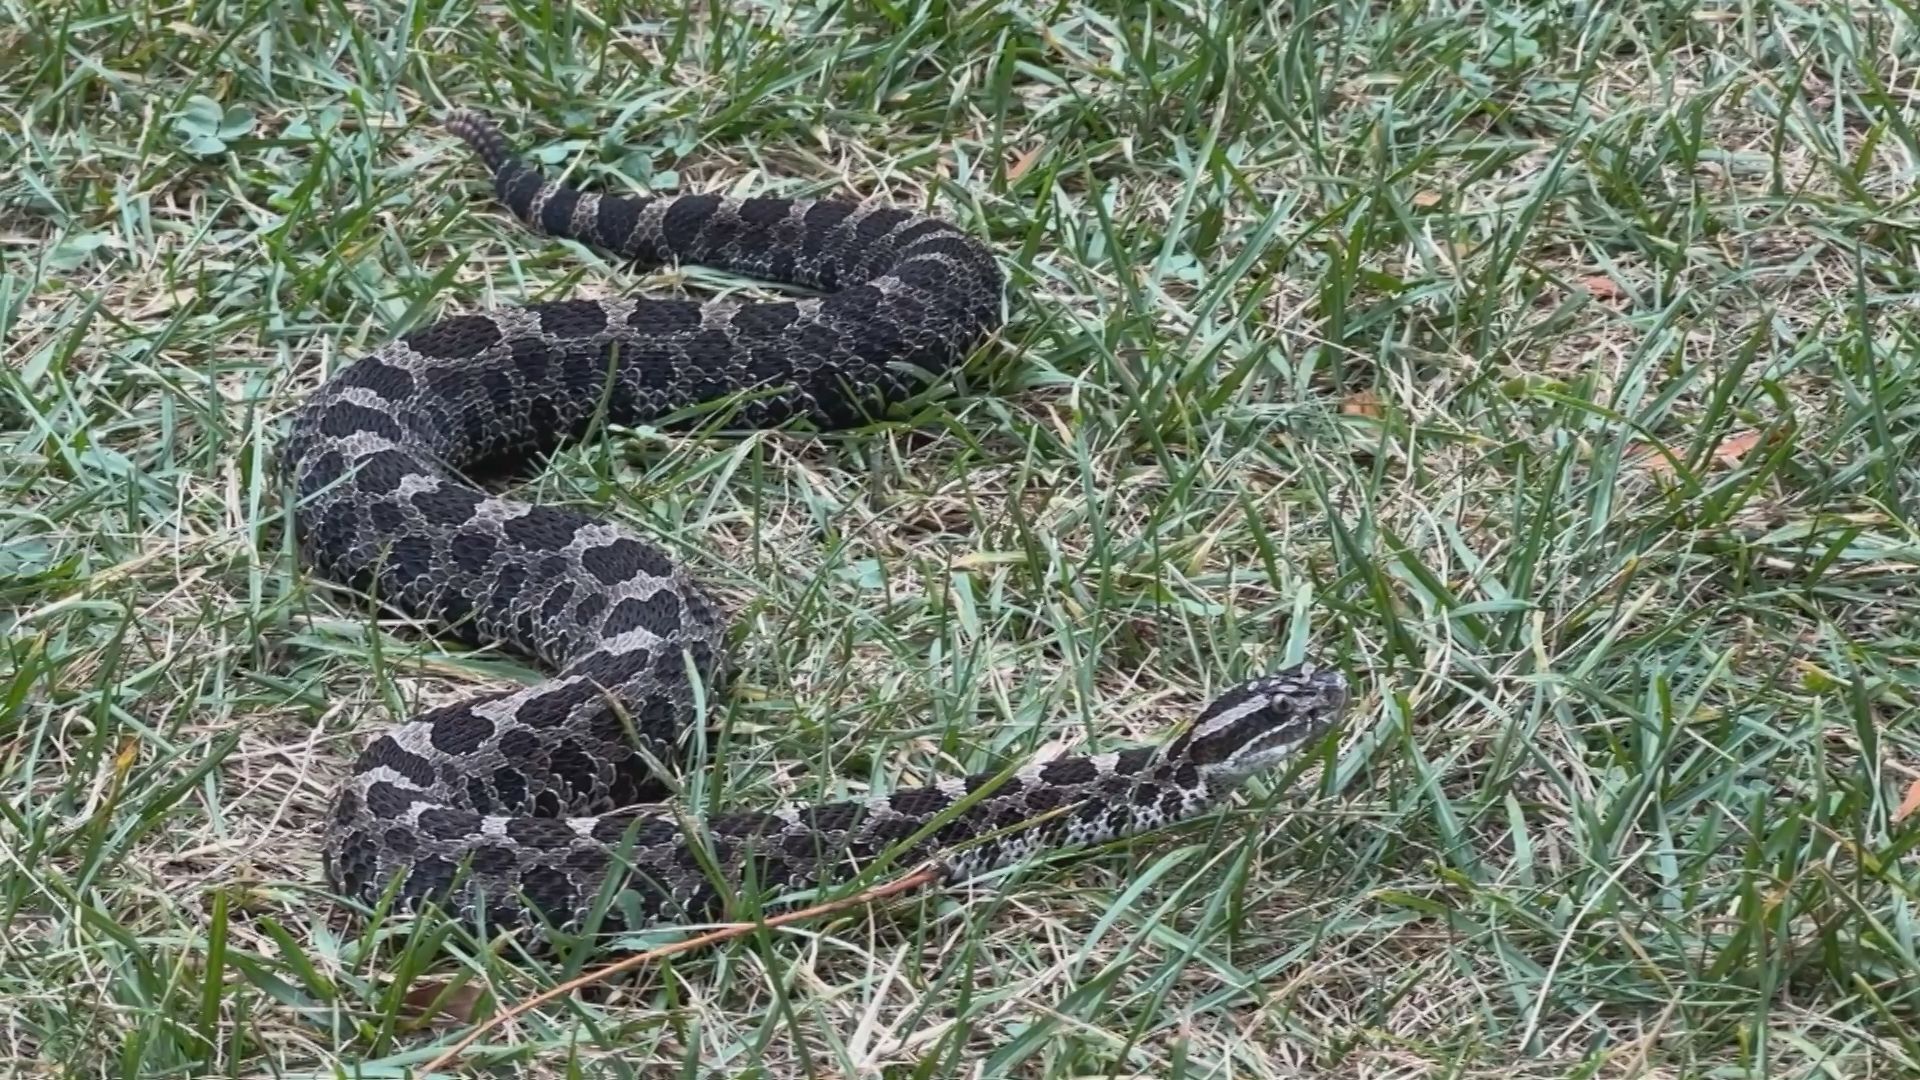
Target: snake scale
x=526, y=806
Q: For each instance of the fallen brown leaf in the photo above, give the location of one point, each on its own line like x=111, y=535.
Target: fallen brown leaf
x=1362, y=403
x=1731, y=451
x=460, y=1003
x=1602, y=286
x=1024, y=162
x=1427, y=200
x=1909, y=804
x=1737, y=446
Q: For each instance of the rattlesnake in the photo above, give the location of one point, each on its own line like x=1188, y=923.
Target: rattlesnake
x=519, y=807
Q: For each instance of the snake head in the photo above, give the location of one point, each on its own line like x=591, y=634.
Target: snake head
x=1258, y=724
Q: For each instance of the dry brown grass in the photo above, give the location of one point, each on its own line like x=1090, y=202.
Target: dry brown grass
x=1618, y=798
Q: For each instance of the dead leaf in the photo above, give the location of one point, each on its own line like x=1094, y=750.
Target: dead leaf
x=1426, y=200
x=1731, y=451
x=1363, y=403
x=1909, y=804
x=1602, y=286
x=461, y=1003
x=1024, y=162
x=1648, y=457
x=1736, y=447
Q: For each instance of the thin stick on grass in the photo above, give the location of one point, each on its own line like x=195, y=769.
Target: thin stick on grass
x=925, y=875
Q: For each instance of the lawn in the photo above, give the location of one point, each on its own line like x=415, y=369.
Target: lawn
x=1547, y=367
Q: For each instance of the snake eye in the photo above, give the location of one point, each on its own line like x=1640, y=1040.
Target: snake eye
x=1264, y=720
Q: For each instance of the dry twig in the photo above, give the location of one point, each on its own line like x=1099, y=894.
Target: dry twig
x=923, y=876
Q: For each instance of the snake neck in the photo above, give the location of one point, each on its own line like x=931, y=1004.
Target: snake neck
x=1074, y=802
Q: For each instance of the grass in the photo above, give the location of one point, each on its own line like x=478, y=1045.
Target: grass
x=1549, y=367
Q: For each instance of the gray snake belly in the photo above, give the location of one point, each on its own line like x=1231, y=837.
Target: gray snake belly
x=523, y=806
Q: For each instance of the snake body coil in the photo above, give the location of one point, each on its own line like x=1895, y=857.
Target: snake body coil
x=521, y=806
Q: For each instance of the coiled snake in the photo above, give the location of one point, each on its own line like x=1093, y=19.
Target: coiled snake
x=522, y=806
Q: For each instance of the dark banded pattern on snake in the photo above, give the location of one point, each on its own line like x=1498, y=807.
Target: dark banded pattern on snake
x=520, y=805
